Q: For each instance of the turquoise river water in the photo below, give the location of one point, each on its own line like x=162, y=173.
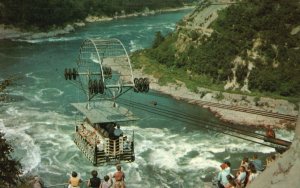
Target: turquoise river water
x=40, y=122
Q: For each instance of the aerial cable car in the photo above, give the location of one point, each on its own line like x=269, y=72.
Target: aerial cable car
x=104, y=73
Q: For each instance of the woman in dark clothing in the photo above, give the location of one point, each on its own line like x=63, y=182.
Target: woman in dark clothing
x=94, y=182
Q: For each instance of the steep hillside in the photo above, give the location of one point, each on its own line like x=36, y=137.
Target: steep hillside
x=249, y=45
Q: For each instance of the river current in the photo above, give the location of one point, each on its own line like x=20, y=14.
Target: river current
x=39, y=122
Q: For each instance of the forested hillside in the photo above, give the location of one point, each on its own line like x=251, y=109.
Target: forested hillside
x=249, y=46
x=45, y=13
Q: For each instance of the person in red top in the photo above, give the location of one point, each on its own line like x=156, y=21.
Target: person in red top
x=119, y=177
x=270, y=133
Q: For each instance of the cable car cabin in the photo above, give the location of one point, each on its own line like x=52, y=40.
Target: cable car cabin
x=99, y=135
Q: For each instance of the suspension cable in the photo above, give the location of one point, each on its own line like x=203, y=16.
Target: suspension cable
x=218, y=127
x=194, y=118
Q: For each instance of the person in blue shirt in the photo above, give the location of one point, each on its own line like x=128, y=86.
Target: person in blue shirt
x=257, y=163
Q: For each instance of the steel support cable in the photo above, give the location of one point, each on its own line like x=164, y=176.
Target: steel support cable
x=223, y=124
x=155, y=111
x=203, y=125
x=221, y=130
x=195, y=118
x=234, y=127
x=195, y=123
x=212, y=125
x=242, y=109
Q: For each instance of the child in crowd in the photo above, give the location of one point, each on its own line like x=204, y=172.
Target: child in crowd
x=74, y=181
x=107, y=183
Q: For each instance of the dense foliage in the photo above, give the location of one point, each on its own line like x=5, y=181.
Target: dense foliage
x=10, y=169
x=45, y=13
x=159, y=38
x=238, y=27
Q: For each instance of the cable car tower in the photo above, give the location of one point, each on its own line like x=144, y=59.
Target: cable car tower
x=104, y=73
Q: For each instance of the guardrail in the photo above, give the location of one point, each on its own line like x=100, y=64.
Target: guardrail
x=65, y=185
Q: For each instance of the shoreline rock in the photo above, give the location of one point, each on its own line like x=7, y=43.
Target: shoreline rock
x=10, y=32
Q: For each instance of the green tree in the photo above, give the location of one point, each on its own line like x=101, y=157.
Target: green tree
x=159, y=38
x=10, y=169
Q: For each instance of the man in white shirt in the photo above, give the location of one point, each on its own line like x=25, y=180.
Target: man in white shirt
x=222, y=176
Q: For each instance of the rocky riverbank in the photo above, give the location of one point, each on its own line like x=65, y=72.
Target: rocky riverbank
x=181, y=92
x=11, y=32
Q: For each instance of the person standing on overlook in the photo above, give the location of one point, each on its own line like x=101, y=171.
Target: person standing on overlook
x=94, y=182
x=241, y=176
x=222, y=176
x=245, y=162
x=252, y=173
x=257, y=163
x=119, y=177
x=270, y=160
x=74, y=181
x=107, y=183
